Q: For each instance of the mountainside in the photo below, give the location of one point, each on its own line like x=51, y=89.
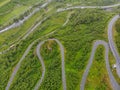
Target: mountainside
x=59, y=45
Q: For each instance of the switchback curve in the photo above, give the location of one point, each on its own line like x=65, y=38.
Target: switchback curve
x=42, y=62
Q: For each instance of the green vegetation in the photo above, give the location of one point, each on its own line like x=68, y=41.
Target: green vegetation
x=29, y=73
x=73, y=36
x=11, y=58
x=78, y=47
x=84, y=27
x=98, y=78
x=7, y=38
x=52, y=59
x=117, y=34
x=3, y=2
x=112, y=63
x=15, y=34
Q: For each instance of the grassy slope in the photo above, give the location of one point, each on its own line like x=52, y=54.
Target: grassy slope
x=52, y=60
x=14, y=9
x=117, y=34
x=112, y=62
x=77, y=46
x=74, y=39
x=10, y=59
x=98, y=72
x=75, y=52
x=3, y=2
x=7, y=38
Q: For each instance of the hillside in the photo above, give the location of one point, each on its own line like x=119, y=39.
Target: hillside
x=59, y=45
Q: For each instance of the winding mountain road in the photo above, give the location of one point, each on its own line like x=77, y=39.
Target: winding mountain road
x=114, y=83
x=42, y=62
x=33, y=28
x=112, y=79
x=29, y=31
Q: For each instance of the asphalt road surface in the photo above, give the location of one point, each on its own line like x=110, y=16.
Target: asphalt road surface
x=89, y=7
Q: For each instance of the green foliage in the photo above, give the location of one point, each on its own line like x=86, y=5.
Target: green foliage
x=11, y=58
x=98, y=78
x=8, y=6
x=29, y=73
x=86, y=17
x=89, y=2
x=77, y=38
x=117, y=26
x=51, y=55
x=117, y=37
x=14, y=9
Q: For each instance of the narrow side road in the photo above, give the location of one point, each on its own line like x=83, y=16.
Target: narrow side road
x=87, y=7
